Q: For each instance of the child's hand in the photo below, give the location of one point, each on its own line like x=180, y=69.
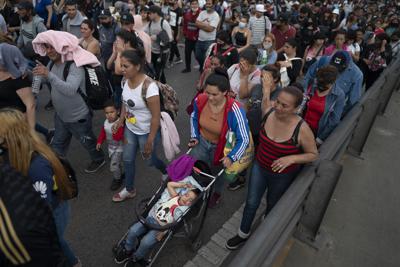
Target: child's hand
x=98, y=147
x=187, y=185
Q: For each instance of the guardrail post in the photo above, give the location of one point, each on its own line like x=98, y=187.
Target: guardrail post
x=318, y=199
x=364, y=125
x=392, y=82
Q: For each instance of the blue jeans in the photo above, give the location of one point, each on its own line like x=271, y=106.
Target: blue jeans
x=205, y=151
x=132, y=143
x=61, y=217
x=147, y=241
x=81, y=130
x=260, y=180
x=200, y=52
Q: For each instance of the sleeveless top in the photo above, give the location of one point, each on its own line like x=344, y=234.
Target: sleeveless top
x=270, y=150
x=241, y=39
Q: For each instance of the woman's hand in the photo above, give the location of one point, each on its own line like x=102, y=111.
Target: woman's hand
x=282, y=163
x=193, y=142
x=119, y=46
x=244, y=68
x=267, y=83
x=148, y=148
x=226, y=161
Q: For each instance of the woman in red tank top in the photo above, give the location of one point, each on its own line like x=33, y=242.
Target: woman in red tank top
x=285, y=143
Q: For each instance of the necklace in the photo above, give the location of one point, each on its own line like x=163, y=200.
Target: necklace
x=215, y=115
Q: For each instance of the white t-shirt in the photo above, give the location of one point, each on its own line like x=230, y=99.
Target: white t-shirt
x=354, y=48
x=234, y=80
x=213, y=20
x=140, y=111
x=113, y=146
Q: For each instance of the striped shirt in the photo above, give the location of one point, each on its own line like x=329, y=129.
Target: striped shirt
x=258, y=27
x=270, y=150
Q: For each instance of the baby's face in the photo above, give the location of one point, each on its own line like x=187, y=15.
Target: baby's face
x=188, y=198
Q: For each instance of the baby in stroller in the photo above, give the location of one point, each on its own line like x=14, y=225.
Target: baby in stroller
x=175, y=200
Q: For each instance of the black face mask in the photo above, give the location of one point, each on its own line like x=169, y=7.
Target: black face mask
x=25, y=18
x=322, y=87
x=106, y=24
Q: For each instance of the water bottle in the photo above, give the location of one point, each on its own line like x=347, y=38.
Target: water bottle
x=36, y=82
x=264, y=58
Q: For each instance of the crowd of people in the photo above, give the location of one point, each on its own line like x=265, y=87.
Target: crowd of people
x=279, y=75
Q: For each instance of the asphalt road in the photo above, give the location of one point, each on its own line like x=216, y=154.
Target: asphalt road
x=97, y=223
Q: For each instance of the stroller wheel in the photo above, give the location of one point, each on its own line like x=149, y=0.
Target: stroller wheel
x=196, y=244
x=115, y=249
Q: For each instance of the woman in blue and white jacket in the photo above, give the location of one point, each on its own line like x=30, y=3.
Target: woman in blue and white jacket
x=214, y=115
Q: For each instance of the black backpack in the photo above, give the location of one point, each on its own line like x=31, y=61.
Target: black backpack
x=98, y=88
x=162, y=37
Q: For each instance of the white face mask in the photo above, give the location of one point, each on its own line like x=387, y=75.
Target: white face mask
x=242, y=25
x=195, y=9
x=267, y=46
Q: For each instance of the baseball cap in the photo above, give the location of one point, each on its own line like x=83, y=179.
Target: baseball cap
x=25, y=5
x=105, y=13
x=127, y=18
x=340, y=60
x=284, y=17
x=336, y=11
x=260, y=8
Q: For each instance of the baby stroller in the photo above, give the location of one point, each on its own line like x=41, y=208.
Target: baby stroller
x=188, y=225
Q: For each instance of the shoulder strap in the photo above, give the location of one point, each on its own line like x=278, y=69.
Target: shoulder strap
x=264, y=119
x=319, y=50
x=66, y=70
x=295, y=136
x=227, y=51
x=162, y=24
x=147, y=81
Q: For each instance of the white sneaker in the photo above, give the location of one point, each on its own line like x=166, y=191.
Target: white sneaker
x=123, y=195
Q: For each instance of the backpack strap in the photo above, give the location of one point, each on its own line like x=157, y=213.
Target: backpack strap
x=227, y=51
x=146, y=83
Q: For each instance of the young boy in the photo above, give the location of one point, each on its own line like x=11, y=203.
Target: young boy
x=165, y=211
x=115, y=144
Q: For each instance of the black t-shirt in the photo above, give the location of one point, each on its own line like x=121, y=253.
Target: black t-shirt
x=8, y=93
x=175, y=17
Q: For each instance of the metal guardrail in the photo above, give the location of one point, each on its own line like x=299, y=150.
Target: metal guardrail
x=295, y=212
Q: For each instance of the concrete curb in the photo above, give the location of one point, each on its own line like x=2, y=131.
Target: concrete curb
x=214, y=252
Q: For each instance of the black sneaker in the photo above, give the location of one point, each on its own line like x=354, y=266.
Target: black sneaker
x=94, y=166
x=49, y=106
x=238, y=183
x=185, y=71
x=235, y=242
x=122, y=255
x=115, y=184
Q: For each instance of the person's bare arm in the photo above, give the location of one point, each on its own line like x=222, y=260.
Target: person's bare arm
x=205, y=26
x=94, y=48
x=28, y=99
x=267, y=83
x=153, y=104
x=50, y=15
